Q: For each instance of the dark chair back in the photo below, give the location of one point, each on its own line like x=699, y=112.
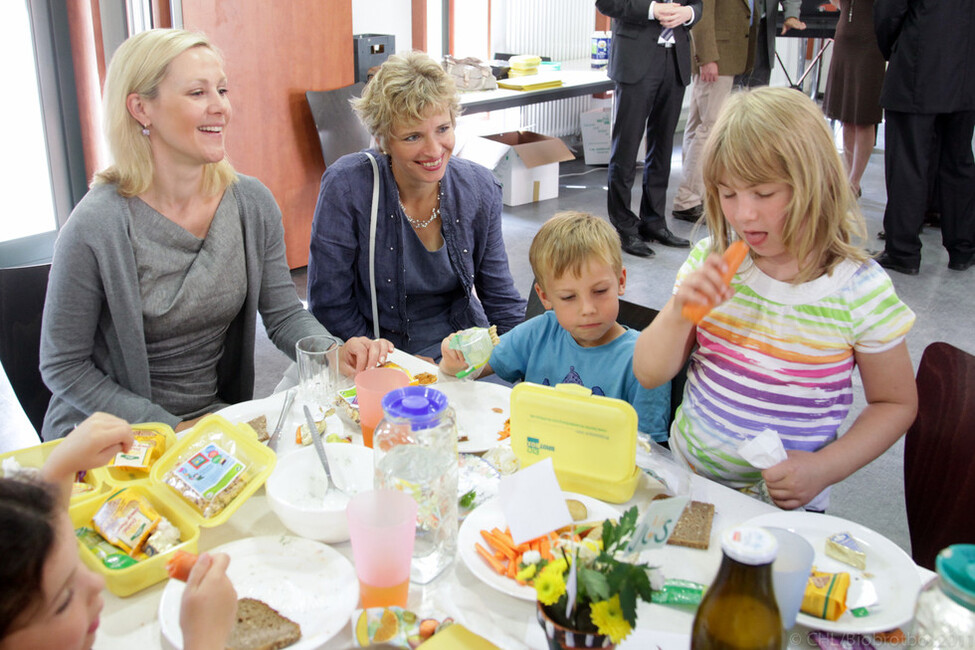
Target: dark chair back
x=636, y=317
x=22, y=292
x=939, y=454
x=339, y=130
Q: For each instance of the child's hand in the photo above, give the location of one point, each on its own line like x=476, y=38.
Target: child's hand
x=208, y=609
x=704, y=286
x=451, y=361
x=795, y=481
x=93, y=443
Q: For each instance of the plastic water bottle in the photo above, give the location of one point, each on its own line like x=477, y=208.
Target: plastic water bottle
x=945, y=613
x=600, y=49
x=415, y=447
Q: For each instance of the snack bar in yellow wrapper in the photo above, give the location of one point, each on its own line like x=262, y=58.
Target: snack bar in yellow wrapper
x=825, y=595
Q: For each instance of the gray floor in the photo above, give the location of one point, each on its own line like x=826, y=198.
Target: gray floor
x=874, y=496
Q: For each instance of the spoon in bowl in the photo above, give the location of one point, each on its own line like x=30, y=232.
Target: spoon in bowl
x=319, y=447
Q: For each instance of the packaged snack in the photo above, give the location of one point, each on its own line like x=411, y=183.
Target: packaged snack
x=825, y=595
x=126, y=520
x=208, y=477
x=679, y=592
x=111, y=556
x=395, y=626
x=146, y=448
x=476, y=344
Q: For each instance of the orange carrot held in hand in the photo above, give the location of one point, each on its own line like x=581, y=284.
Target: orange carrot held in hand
x=733, y=257
x=180, y=565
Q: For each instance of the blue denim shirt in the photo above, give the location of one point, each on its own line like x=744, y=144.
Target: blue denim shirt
x=338, y=261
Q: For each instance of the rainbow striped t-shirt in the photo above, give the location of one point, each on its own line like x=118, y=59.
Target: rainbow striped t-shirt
x=780, y=356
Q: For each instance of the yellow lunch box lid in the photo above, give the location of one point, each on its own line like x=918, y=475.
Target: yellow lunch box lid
x=591, y=439
x=36, y=456
x=238, y=441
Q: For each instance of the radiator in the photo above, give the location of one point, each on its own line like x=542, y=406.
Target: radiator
x=562, y=30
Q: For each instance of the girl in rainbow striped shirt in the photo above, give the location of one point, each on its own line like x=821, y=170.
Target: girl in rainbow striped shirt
x=778, y=350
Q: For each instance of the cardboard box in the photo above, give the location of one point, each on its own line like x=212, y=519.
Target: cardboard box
x=597, y=130
x=526, y=163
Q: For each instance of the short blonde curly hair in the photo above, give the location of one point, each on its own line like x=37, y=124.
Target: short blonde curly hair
x=404, y=90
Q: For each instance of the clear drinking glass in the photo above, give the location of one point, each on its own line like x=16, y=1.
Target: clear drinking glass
x=318, y=372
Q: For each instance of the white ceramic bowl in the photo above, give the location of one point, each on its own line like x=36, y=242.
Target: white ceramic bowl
x=296, y=492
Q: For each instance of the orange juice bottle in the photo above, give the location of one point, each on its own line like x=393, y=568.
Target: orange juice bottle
x=733, y=257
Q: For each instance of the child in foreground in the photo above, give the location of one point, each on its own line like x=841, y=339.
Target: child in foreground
x=778, y=351
x=579, y=279
x=48, y=598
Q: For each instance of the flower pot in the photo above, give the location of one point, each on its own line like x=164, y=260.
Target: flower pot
x=560, y=637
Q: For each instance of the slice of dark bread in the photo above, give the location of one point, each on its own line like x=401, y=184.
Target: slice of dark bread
x=260, y=627
x=259, y=425
x=693, y=529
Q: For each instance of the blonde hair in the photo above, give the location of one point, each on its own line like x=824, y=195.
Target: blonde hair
x=567, y=241
x=778, y=135
x=139, y=66
x=404, y=90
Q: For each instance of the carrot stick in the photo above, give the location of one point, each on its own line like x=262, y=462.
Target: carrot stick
x=733, y=257
x=495, y=564
x=512, y=571
x=545, y=549
x=180, y=565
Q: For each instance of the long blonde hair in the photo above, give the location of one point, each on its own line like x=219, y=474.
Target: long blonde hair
x=778, y=135
x=139, y=66
x=404, y=90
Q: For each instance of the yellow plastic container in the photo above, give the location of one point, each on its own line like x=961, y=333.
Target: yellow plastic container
x=237, y=440
x=37, y=455
x=591, y=439
x=524, y=61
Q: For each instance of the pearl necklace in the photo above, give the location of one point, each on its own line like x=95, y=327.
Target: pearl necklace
x=418, y=223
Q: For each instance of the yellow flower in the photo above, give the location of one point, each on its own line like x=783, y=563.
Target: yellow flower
x=608, y=619
x=549, y=586
x=558, y=565
x=527, y=573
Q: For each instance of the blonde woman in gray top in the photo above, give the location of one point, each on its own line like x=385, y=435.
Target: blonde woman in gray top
x=159, y=273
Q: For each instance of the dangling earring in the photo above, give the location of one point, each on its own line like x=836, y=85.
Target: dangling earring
x=145, y=129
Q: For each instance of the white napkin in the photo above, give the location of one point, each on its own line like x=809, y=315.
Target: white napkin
x=764, y=450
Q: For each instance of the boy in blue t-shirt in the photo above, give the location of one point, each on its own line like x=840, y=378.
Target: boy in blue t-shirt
x=579, y=279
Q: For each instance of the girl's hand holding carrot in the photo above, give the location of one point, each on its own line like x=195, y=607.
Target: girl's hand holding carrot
x=710, y=285
x=208, y=609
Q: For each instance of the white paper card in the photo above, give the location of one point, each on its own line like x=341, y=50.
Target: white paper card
x=532, y=502
x=653, y=529
x=764, y=450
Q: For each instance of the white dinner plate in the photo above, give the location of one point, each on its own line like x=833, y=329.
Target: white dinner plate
x=306, y=581
x=481, y=408
x=489, y=516
x=891, y=578
x=270, y=407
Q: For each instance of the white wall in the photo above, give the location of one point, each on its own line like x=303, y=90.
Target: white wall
x=384, y=17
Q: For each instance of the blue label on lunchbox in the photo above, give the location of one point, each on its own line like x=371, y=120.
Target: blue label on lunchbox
x=210, y=471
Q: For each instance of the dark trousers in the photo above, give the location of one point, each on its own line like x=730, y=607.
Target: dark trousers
x=761, y=72
x=908, y=151
x=651, y=105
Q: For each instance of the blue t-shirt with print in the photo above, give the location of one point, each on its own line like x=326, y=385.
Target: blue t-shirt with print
x=542, y=352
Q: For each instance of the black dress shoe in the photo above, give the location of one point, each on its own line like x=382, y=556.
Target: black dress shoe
x=634, y=246
x=961, y=265
x=663, y=235
x=888, y=262
x=690, y=214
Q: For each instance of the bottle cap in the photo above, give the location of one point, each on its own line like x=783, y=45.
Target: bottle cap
x=419, y=404
x=749, y=545
x=956, y=567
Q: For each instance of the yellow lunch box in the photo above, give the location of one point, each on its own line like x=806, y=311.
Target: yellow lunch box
x=591, y=439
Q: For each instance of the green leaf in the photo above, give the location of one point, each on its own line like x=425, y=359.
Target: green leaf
x=467, y=500
x=628, y=602
x=595, y=584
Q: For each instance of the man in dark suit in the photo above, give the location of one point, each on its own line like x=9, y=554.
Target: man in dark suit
x=650, y=61
x=761, y=71
x=928, y=91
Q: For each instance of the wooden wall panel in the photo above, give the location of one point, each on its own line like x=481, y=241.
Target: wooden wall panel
x=274, y=52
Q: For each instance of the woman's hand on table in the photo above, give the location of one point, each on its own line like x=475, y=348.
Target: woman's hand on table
x=360, y=353
x=208, y=609
x=797, y=480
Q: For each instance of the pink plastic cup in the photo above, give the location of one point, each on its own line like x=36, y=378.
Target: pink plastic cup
x=382, y=527
x=370, y=388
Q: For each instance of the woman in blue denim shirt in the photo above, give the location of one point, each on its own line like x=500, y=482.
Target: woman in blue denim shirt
x=438, y=232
